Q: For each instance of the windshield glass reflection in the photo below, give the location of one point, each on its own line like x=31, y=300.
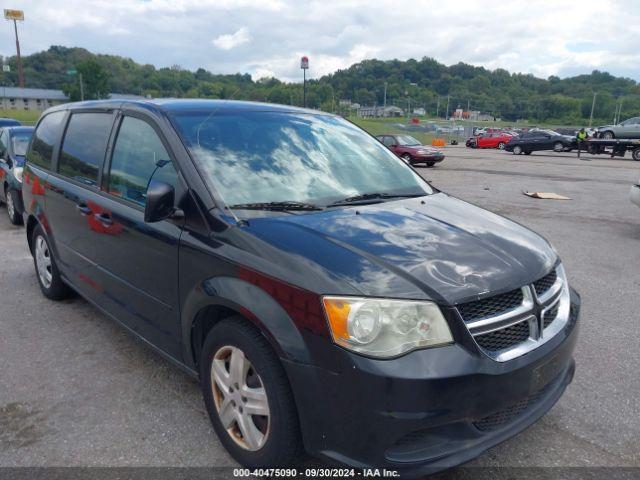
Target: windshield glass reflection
x=255, y=157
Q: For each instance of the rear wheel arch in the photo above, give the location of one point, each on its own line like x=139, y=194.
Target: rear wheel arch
x=32, y=223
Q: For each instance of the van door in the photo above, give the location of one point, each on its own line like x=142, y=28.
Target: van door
x=70, y=189
x=138, y=261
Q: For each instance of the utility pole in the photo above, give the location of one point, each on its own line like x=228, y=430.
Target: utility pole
x=447, y=116
x=619, y=112
x=468, y=105
x=438, y=108
x=17, y=15
x=81, y=87
x=593, y=104
x=384, y=104
x=304, y=65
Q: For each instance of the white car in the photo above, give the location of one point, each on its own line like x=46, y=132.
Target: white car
x=634, y=194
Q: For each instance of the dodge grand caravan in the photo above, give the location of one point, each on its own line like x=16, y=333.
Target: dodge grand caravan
x=325, y=295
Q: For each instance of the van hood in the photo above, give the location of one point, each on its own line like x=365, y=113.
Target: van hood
x=435, y=247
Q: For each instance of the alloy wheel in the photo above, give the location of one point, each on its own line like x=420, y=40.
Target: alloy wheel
x=240, y=398
x=43, y=262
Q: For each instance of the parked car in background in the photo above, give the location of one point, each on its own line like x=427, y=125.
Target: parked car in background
x=489, y=140
x=634, y=194
x=9, y=122
x=535, y=140
x=13, y=148
x=628, y=129
x=411, y=150
x=325, y=295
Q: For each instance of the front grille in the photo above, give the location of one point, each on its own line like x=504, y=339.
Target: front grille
x=491, y=306
x=505, y=338
x=502, y=417
x=545, y=283
x=551, y=315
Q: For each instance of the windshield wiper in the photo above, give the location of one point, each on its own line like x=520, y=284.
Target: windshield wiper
x=276, y=206
x=372, y=198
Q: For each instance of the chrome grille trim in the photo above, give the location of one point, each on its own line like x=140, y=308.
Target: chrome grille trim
x=532, y=310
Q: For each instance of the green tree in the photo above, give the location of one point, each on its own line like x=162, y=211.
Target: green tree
x=95, y=82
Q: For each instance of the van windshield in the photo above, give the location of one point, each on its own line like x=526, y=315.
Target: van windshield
x=254, y=157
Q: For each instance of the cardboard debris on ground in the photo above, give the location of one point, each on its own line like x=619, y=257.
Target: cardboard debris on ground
x=546, y=195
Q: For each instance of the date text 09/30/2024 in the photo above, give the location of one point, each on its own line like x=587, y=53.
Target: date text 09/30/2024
x=316, y=472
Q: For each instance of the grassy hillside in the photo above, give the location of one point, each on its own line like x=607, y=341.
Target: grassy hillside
x=422, y=83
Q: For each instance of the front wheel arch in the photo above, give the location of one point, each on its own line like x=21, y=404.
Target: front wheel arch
x=217, y=298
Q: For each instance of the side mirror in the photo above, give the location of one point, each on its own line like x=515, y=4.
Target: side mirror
x=160, y=200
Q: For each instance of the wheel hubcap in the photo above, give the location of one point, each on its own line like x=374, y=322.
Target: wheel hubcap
x=10, y=208
x=43, y=262
x=240, y=398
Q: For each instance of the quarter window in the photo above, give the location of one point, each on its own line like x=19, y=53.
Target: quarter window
x=84, y=146
x=137, y=156
x=44, y=138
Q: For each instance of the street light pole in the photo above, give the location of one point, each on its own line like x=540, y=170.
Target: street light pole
x=16, y=15
x=20, y=71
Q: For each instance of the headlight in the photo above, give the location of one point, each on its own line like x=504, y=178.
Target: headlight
x=385, y=328
x=17, y=173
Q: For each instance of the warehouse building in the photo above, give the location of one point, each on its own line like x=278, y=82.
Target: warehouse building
x=40, y=99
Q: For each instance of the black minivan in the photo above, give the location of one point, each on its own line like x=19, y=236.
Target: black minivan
x=327, y=297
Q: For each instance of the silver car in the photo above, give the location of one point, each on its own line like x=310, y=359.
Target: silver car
x=628, y=129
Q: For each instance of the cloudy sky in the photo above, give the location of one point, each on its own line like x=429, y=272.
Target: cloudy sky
x=267, y=37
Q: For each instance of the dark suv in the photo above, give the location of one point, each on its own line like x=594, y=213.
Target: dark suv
x=325, y=295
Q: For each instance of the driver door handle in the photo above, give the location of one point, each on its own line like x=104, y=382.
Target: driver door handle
x=105, y=219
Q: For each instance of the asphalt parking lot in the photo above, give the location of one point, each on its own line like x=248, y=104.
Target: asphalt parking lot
x=76, y=390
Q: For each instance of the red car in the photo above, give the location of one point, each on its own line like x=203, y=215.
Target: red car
x=411, y=150
x=490, y=140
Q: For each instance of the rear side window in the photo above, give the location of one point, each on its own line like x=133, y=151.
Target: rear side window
x=44, y=139
x=84, y=146
x=138, y=155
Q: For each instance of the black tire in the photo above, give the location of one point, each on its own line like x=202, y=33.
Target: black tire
x=283, y=442
x=517, y=150
x=407, y=158
x=608, y=135
x=636, y=154
x=430, y=164
x=15, y=217
x=558, y=147
x=56, y=288
x=501, y=146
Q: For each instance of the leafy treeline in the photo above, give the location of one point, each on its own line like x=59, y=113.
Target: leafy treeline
x=419, y=83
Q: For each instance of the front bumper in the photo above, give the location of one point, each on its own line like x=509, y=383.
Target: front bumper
x=431, y=409
x=432, y=157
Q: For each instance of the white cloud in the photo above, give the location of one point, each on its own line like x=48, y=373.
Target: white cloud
x=227, y=42
x=530, y=36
